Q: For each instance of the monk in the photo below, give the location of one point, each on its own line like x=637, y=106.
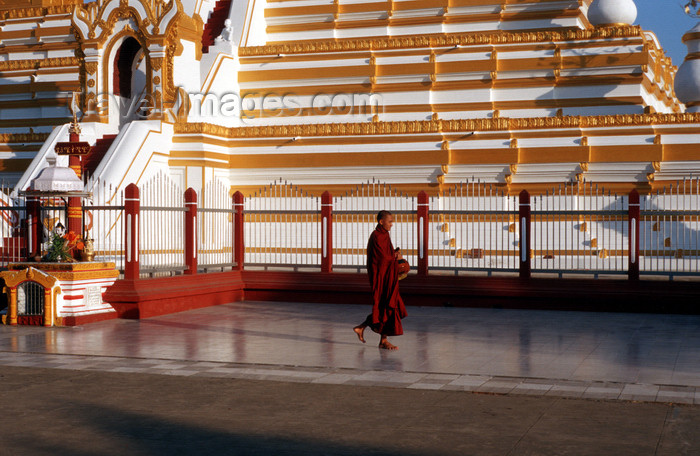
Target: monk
x=382, y=266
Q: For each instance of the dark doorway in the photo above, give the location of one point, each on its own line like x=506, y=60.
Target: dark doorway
x=123, y=67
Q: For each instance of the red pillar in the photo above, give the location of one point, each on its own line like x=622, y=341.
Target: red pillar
x=191, y=231
x=132, y=209
x=75, y=215
x=633, y=231
x=34, y=227
x=525, y=235
x=238, y=242
x=326, y=232
x=423, y=233
x=75, y=210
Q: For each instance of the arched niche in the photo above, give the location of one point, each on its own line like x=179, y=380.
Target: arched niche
x=101, y=28
x=127, y=76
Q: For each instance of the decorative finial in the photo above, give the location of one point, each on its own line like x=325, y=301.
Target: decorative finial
x=692, y=8
x=74, y=126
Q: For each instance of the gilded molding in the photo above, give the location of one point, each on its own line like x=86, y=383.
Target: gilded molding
x=23, y=137
x=478, y=38
x=93, y=15
x=24, y=13
x=437, y=126
x=91, y=67
x=14, y=278
x=156, y=24
x=33, y=64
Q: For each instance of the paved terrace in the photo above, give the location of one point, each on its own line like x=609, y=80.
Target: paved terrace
x=642, y=357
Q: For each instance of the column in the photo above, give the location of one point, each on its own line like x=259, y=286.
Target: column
x=525, y=235
x=238, y=241
x=423, y=233
x=633, y=230
x=326, y=232
x=191, y=231
x=132, y=209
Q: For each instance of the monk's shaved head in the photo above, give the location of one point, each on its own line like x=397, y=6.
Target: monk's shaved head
x=382, y=215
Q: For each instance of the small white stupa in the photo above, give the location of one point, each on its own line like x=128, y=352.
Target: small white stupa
x=612, y=12
x=687, y=81
x=59, y=179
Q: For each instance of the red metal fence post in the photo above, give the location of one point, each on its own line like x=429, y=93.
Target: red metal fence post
x=326, y=232
x=75, y=209
x=34, y=228
x=525, y=235
x=633, y=231
x=238, y=241
x=422, y=231
x=191, y=231
x=132, y=210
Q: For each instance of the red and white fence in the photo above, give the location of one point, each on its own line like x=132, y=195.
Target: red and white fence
x=103, y=222
x=352, y=217
x=472, y=227
x=669, y=239
x=13, y=227
x=281, y=227
x=159, y=229
x=215, y=221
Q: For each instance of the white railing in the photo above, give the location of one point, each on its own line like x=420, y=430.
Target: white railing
x=162, y=227
x=576, y=228
x=215, y=227
x=103, y=222
x=579, y=228
x=13, y=221
x=670, y=230
x=355, y=217
x=282, y=227
x=472, y=227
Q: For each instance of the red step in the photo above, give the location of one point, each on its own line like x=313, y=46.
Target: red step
x=215, y=24
x=92, y=160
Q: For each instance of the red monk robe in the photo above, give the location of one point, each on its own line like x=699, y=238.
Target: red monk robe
x=387, y=307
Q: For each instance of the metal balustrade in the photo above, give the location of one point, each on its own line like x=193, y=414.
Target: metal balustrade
x=670, y=230
x=575, y=228
x=472, y=227
x=162, y=227
x=355, y=217
x=215, y=228
x=103, y=222
x=282, y=227
x=579, y=228
x=13, y=228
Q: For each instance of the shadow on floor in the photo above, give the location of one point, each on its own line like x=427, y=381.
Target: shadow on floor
x=103, y=430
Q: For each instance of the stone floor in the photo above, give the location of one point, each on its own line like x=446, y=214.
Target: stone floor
x=53, y=412
x=654, y=358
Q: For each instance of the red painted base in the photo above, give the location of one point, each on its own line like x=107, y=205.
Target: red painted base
x=31, y=320
x=472, y=291
x=85, y=319
x=152, y=297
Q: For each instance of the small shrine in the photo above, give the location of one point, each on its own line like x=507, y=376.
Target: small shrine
x=60, y=284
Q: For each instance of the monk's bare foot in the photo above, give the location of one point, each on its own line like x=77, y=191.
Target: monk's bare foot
x=387, y=346
x=360, y=331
